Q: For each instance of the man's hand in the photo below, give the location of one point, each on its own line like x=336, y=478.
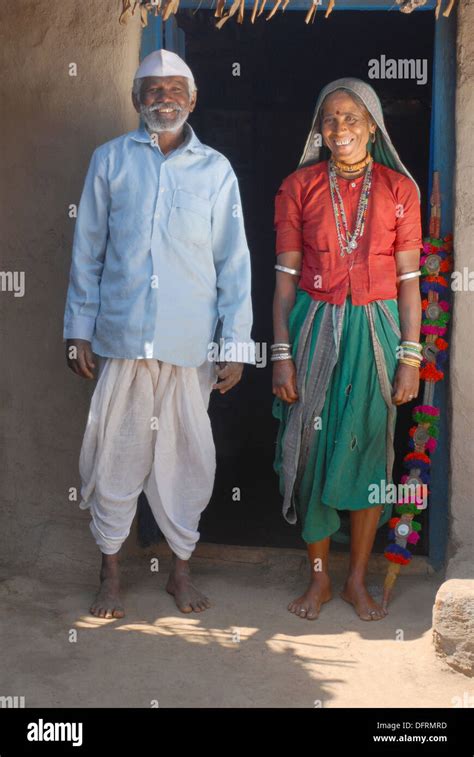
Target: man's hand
x=406, y=384
x=230, y=373
x=79, y=357
x=284, y=380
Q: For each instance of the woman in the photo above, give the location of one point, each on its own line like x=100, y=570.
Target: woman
x=347, y=315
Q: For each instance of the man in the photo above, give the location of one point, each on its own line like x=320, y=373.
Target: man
x=160, y=260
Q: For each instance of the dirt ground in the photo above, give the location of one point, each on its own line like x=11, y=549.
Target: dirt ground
x=246, y=651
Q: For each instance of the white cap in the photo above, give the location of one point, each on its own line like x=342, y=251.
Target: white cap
x=163, y=63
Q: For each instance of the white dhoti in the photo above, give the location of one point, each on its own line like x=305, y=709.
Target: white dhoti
x=148, y=429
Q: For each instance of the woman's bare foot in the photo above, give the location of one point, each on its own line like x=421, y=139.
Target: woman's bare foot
x=366, y=607
x=187, y=596
x=318, y=592
x=107, y=603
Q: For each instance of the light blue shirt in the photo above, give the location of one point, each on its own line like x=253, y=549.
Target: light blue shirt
x=160, y=255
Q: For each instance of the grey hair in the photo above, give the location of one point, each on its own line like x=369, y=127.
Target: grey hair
x=137, y=86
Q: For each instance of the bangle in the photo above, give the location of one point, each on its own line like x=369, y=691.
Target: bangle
x=411, y=350
x=409, y=357
x=411, y=275
x=293, y=271
x=279, y=345
x=282, y=356
x=408, y=361
x=407, y=352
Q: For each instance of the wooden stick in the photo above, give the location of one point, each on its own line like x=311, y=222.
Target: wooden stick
x=274, y=10
x=254, y=11
x=310, y=14
x=449, y=8
x=219, y=8
x=330, y=7
x=389, y=583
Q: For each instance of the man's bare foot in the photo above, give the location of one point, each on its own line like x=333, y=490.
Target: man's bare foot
x=187, y=596
x=318, y=592
x=366, y=607
x=107, y=603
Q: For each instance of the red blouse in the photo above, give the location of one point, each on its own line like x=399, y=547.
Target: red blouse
x=304, y=221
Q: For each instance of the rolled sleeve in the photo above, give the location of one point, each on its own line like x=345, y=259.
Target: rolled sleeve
x=88, y=254
x=288, y=217
x=232, y=263
x=408, y=233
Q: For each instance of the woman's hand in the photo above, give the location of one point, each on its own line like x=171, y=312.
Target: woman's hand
x=284, y=380
x=406, y=384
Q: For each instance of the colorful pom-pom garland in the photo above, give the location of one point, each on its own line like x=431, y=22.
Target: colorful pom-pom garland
x=435, y=264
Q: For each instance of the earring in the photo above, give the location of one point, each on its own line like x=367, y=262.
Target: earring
x=372, y=137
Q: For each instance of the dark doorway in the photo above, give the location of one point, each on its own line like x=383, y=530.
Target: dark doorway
x=260, y=120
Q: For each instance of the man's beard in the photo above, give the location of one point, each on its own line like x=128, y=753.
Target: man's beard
x=158, y=123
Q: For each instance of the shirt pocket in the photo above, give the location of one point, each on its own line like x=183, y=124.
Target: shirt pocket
x=382, y=272
x=321, y=265
x=190, y=218
x=315, y=232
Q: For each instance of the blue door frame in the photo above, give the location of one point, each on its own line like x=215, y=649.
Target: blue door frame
x=442, y=156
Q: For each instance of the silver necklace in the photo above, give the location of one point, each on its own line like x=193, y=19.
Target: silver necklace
x=349, y=242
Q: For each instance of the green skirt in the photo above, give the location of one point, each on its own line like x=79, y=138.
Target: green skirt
x=349, y=450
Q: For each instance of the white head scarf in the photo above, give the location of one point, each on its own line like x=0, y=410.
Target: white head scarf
x=382, y=150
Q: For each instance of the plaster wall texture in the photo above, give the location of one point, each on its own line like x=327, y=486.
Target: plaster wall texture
x=51, y=122
x=461, y=540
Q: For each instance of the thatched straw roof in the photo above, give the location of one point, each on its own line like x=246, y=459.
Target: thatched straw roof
x=236, y=8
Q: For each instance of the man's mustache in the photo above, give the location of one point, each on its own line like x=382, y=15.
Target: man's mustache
x=171, y=106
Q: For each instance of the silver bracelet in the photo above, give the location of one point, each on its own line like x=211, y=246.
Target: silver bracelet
x=412, y=353
x=278, y=345
x=411, y=275
x=282, y=356
x=293, y=271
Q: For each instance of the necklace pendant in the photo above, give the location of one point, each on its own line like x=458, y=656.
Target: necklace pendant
x=353, y=244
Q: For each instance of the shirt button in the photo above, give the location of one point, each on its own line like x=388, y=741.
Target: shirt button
x=353, y=184
x=163, y=189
